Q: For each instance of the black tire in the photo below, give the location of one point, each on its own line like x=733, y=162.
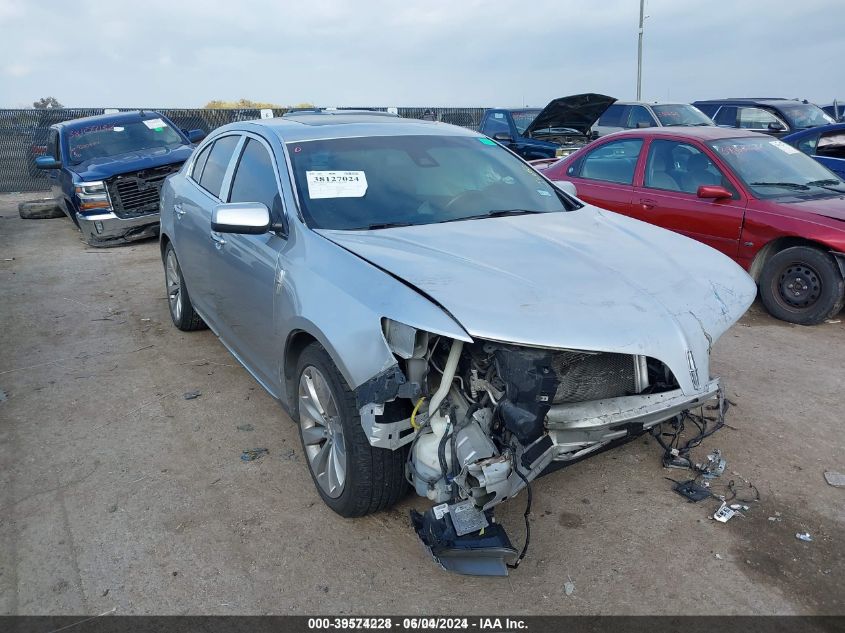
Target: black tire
x=178, y=300
x=802, y=285
x=375, y=477
x=43, y=209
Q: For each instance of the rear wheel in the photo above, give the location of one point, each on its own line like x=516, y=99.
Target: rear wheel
x=802, y=285
x=178, y=300
x=352, y=477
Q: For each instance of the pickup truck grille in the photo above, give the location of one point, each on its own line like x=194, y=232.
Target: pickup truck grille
x=138, y=193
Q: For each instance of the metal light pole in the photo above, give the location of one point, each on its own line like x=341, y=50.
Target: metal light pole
x=640, y=53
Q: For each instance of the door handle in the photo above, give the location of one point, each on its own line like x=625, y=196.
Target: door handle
x=218, y=241
x=648, y=203
x=178, y=210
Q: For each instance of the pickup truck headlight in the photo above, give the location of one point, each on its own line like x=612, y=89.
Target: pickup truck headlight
x=92, y=195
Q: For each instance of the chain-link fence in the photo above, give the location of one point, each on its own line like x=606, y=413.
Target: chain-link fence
x=23, y=133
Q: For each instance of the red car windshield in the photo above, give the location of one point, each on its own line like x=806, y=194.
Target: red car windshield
x=770, y=168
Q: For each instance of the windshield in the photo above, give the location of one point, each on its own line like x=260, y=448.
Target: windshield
x=804, y=115
x=771, y=168
x=375, y=182
x=680, y=114
x=523, y=118
x=99, y=140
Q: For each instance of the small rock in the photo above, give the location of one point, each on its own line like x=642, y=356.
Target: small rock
x=112, y=508
x=718, y=557
x=569, y=587
x=252, y=454
x=175, y=573
x=804, y=536
x=245, y=427
x=192, y=395
x=105, y=593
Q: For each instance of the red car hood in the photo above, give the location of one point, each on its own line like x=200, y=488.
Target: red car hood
x=828, y=207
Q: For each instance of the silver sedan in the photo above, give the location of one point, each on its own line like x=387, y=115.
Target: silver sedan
x=432, y=311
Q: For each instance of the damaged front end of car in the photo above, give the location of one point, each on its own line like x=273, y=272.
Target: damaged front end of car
x=480, y=420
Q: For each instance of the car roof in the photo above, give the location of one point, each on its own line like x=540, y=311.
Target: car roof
x=358, y=112
x=105, y=119
x=770, y=101
x=702, y=133
x=650, y=103
x=312, y=127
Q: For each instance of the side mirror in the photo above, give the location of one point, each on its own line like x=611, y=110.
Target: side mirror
x=47, y=162
x=502, y=137
x=195, y=136
x=642, y=124
x=713, y=192
x=776, y=126
x=566, y=187
x=594, y=134
x=249, y=218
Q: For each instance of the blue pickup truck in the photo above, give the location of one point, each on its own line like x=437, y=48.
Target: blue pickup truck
x=106, y=171
x=557, y=130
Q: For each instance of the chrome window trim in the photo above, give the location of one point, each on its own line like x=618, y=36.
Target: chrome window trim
x=197, y=152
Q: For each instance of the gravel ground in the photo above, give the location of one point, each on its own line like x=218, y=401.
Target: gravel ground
x=118, y=493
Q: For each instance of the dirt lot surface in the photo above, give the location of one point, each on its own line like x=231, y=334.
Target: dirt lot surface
x=117, y=492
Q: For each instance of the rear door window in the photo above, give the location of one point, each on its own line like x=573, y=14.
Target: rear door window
x=613, y=162
x=217, y=163
x=757, y=119
x=832, y=145
x=612, y=117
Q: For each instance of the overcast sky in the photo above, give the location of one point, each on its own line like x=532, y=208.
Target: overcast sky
x=183, y=53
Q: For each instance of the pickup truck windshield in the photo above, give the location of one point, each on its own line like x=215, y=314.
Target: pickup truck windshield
x=523, y=118
x=99, y=140
x=383, y=181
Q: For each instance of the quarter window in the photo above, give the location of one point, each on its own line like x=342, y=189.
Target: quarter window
x=726, y=116
x=199, y=163
x=216, y=164
x=255, y=179
x=612, y=117
x=613, y=162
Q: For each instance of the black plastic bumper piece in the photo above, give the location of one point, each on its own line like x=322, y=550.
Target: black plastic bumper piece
x=483, y=553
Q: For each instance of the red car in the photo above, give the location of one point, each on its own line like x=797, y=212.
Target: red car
x=774, y=210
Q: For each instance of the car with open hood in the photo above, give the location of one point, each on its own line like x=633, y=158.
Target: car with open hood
x=106, y=171
x=762, y=202
x=434, y=312
x=559, y=129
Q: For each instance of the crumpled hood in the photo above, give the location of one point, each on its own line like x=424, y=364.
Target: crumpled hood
x=587, y=280
x=107, y=166
x=578, y=112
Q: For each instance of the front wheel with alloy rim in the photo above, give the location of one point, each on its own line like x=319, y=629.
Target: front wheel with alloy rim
x=178, y=300
x=352, y=477
x=802, y=285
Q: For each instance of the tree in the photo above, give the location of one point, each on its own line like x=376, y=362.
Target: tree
x=218, y=104
x=47, y=102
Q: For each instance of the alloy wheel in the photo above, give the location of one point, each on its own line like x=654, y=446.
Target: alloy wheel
x=174, y=285
x=322, y=432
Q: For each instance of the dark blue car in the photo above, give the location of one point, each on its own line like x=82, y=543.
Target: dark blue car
x=106, y=171
x=826, y=144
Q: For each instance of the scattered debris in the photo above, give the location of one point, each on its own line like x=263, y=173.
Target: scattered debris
x=290, y=455
x=833, y=321
x=739, y=506
x=804, y=536
x=724, y=513
x=252, y=454
x=8, y=259
x=833, y=478
x=112, y=508
x=774, y=519
x=192, y=395
x=569, y=586
x=714, y=466
x=718, y=557
x=245, y=427
x=691, y=490
x=3, y=396
x=105, y=593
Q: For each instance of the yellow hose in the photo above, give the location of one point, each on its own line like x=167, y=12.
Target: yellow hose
x=414, y=414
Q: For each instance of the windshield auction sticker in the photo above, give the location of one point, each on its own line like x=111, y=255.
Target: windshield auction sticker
x=336, y=184
x=154, y=124
x=784, y=147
